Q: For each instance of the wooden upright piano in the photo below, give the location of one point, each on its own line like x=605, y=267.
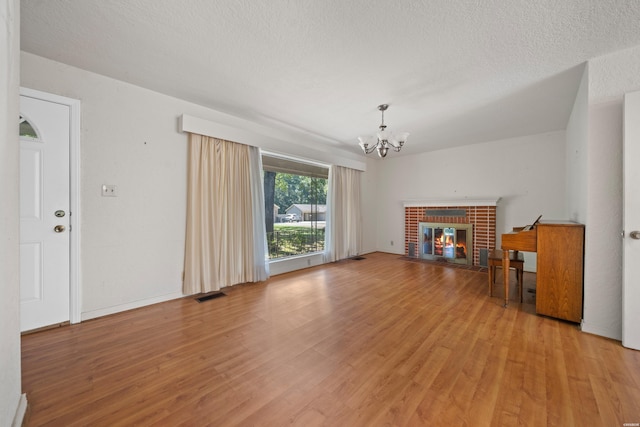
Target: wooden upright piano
x=559, y=276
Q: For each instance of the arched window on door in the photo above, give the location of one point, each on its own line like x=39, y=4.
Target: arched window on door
x=27, y=130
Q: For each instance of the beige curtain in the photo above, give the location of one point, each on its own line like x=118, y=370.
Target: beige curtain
x=221, y=238
x=344, y=217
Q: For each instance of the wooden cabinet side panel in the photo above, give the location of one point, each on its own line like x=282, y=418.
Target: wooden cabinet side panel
x=560, y=272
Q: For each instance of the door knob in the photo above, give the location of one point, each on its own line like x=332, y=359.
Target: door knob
x=635, y=235
x=58, y=228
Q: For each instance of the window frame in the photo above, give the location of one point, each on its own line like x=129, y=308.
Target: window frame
x=280, y=163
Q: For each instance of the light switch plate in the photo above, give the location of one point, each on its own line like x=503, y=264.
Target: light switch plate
x=109, y=191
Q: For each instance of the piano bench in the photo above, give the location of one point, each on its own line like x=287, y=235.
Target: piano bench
x=515, y=261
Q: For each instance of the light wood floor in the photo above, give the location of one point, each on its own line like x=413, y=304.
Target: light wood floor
x=381, y=341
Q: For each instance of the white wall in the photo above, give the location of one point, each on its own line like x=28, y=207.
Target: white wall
x=10, y=380
x=527, y=173
x=577, y=138
x=370, y=206
x=610, y=77
x=132, y=245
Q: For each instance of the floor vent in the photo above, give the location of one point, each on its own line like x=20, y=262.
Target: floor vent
x=357, y=258
x=484, y=257
x=210, y=296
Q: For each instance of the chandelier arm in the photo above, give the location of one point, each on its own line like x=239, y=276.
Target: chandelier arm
x=368, y=148
x=371, y=149
x=393, y=145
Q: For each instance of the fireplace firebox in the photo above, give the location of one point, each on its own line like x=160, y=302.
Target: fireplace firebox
x=447, y=242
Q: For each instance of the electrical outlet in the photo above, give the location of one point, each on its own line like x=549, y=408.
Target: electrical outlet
x=392, y=243
x=109, y=191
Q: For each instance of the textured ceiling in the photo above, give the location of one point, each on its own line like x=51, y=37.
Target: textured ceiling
x=454, y=72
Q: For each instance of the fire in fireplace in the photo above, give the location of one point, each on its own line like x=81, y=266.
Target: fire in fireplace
x=447, y=242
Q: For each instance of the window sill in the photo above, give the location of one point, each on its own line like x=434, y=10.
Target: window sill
x=286, y=265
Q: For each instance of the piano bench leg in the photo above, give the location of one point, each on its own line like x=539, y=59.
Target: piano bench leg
x=520, y=274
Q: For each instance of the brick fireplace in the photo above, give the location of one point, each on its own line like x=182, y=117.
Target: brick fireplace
x=481, y=214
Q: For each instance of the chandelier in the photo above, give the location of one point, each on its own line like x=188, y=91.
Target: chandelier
x=384, y=140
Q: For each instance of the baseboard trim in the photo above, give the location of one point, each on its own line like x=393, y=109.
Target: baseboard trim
x=87, y=315
x=603, y=332
x=21, y=411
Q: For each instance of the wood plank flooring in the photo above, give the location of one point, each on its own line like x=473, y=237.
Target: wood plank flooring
x=381, y=341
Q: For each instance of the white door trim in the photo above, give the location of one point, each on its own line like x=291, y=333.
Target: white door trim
x=75, y=301
x=630, y=222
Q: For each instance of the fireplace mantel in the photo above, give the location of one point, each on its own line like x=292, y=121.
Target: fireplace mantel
x=451, y=202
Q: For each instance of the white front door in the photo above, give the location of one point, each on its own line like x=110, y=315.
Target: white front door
x=44, y=213
x=631, y=224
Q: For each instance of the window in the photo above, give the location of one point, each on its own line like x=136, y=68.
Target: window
x=295, y=206
x=27, y=130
